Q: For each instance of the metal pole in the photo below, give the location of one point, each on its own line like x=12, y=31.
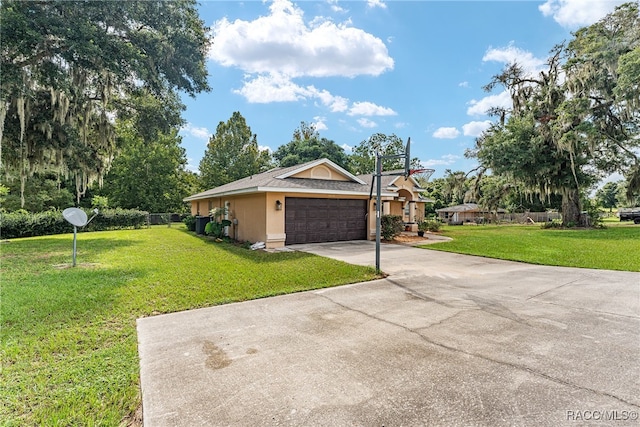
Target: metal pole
x=378, y=208
x=75, y=232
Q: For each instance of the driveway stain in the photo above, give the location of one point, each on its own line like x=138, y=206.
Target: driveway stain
x=217, y=358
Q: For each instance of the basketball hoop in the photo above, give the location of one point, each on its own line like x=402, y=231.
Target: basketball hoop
x=422, y=174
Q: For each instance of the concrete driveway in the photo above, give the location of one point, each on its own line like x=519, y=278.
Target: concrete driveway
x=445, y=340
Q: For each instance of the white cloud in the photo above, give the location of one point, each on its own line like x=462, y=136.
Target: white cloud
x=475, y=129
x=319, y=123
x=446, y=160
x=446, y=133
x=196, y=132
x=366, y=123
x=511, y=54
x=336, y=104
x=265, y=148
x=271, y=88
x=376, y=3
x=347, y=148
x=369, y=109
x=191, y=166
x=480, y=108
x=336, y=7
x=283, y=43
x=577, y=13
x=463, y=84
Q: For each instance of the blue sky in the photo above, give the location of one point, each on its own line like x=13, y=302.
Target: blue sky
x=354, y=68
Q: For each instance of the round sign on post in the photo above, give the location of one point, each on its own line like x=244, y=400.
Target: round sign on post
x=77, y=218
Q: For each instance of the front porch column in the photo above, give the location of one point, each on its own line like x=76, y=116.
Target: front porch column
x=386, y=208
x=412, y=211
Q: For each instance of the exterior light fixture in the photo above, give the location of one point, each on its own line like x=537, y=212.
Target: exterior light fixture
x=278, y=205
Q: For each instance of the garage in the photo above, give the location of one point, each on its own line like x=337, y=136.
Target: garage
x=310, y=220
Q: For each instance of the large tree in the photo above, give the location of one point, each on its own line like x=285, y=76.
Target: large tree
x=307, y=145
x=70, y=67
x=572, y=123
x=363, y=157
x=148, y=175
x=232, y=153
x=607, y=196
x=603, y=71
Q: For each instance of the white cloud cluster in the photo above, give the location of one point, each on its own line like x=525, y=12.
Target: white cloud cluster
x=480, y=108
x=446, y=133
x=376, y=3
x=512, y=54
x=475, y=129
x=319, y=123
x=275, y=49
x=283, y=43
x=506, y=55
x=369, y=109
x=366, y=123
x=335, y=6
x=577, y=13
x=196, y=132
x=446, y=160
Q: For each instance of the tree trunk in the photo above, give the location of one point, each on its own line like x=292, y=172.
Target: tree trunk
x=570, y=207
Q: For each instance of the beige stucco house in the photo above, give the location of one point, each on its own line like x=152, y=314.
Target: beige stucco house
x=317, y=201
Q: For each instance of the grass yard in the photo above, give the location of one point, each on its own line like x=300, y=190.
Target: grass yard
x=616, y=247
x=68, y=336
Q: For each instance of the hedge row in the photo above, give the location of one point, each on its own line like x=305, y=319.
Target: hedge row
x=25, y=224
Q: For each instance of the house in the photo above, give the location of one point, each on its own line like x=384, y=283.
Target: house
x=317, y=201
x=466, y=212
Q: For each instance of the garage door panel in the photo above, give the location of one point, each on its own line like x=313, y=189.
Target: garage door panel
x=324, y=220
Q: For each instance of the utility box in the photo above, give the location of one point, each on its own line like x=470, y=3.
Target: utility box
x=201, y=222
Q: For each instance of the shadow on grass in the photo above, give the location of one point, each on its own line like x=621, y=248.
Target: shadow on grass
x=631, y=234
x=61, y=296
x=62, y=242
x=257, y=256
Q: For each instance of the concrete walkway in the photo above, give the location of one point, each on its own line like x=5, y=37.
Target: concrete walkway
x=445, y=340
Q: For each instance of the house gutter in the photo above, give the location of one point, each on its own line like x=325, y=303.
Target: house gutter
x=281, y=190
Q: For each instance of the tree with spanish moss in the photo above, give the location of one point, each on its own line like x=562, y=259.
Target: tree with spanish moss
x=69, y=68
x=574, y=122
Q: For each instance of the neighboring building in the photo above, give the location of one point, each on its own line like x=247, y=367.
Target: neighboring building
x=313, y=202
x=472, y=213
x=467, y=212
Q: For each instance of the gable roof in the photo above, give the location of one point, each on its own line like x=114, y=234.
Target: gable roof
x=281, y=179
x=286, y=180
x=295, y=170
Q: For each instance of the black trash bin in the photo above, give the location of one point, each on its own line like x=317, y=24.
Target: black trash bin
x=201, y=222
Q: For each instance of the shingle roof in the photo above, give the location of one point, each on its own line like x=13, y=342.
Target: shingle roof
x=272, y=180
x=466, y=207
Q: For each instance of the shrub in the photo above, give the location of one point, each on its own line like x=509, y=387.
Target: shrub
x=556, y=223
x=391, y=226
x=190, y=222
x=432, y=225
x=216, y=229
x=25, y=224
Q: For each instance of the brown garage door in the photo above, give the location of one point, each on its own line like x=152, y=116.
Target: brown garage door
x=324, y=220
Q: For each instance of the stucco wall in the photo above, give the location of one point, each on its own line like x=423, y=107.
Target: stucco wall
x=258, y=218
x=250, y=212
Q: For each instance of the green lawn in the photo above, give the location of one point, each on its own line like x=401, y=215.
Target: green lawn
x=616, y=247
x=68, y=338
